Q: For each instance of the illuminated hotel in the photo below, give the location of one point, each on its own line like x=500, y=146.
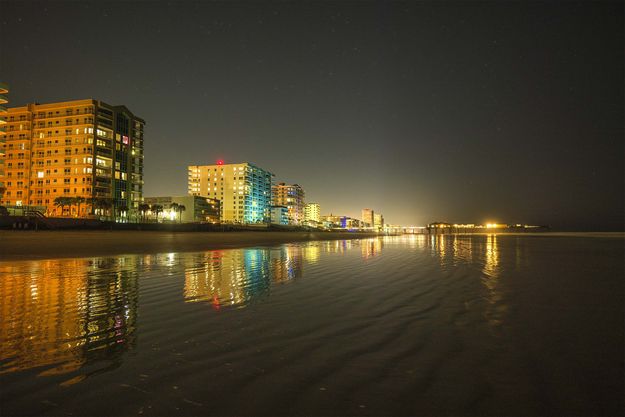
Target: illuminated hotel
x=367, y=217
x=82, y=148
x=243, y=189
x=292, y=197
x=4, y=89
x=312, y=212
x=378, y=220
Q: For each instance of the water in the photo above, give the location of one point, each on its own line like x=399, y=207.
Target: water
x=413, y=325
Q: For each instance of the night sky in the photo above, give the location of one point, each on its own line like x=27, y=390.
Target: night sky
x=460, y=112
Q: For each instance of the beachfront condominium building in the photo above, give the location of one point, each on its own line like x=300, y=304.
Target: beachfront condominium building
x=279, y=215
x=367, y=217
x=291, y=196
x=4, y=90
x=82, y=148
x=378, y=220
x=312, y=212
x=243, y=189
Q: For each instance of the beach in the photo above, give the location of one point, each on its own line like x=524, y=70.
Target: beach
x=25, y=245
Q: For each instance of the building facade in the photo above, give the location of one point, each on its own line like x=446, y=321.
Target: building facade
x=81, y=148
x=279, y=215
x=378, y=220
x=4, y=91
x=188, y=208
x=243, y=189
x=291, y=196
x=367, y=217
x=312, y=212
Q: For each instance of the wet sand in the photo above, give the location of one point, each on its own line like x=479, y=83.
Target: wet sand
x=492, y=325
x=26, y=245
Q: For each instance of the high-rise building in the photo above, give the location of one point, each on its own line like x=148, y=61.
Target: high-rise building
x=291, y=196
x=82, y=148
x=368, y=217
x=378, y=220
x=312, y=212
x=279, y=215
x=243, y=189
x=4, y=90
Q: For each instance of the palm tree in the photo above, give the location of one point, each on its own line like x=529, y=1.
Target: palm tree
x=174, y=207
x=78, y=201
x=143, y=208
x=61, y=202
x=103, y=204
x=181, y=208
x=123, y=209
x=156, y=209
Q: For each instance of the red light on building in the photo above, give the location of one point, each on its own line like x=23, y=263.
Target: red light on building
x=220, y=162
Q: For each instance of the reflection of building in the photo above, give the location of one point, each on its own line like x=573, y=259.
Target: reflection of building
x=236, y=276
x=4, y=90
x=370, y=247
x=82, y=148
x=196, y=208
x=62, y=312
x=312, y=212
x=227, y=277
x=243, y=189
x=291, y=196
x=286, y=264
x=337, y=246
x=311, y=252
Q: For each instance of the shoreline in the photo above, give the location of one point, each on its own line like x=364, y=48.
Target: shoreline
x=52, y=244
x=38, y=245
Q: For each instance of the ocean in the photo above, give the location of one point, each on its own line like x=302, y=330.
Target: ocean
x=490, y=324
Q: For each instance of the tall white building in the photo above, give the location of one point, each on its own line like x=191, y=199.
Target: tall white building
x=243, y=189
x=312, y=212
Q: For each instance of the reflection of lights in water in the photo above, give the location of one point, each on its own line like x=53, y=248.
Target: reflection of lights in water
x=491, y=256
x=311, y=253
x=414, y=241
x=33, y=290
x=370, y=247
x=462, y=248
x=66, y=313
x=490, y=280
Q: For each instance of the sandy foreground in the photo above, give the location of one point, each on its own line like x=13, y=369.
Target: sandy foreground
x=24, y=245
